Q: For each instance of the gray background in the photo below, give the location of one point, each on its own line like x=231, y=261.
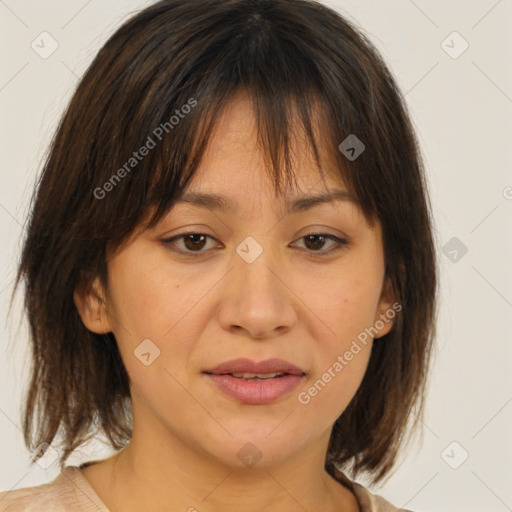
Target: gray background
x=461, y=106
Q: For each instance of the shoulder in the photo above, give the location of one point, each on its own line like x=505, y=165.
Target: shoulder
x=68, y=492
x=368, y=502
x=372, y=502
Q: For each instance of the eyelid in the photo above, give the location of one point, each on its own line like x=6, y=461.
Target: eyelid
x=339, y=241
x=169, y=240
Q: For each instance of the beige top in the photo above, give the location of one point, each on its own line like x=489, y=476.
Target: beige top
x=71, y=492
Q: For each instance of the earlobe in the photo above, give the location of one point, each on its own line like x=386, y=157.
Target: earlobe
x=386, y=311
x=91, y=306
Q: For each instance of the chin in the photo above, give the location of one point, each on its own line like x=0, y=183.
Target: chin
x=259, y=446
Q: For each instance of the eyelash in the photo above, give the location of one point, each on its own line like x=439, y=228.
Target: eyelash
x=340, y=244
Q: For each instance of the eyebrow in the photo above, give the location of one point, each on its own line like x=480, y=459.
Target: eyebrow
x=225, y=204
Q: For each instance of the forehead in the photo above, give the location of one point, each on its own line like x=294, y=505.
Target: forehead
x=234, y=158
x=296, y=204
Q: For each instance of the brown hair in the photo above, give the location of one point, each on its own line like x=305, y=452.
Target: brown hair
x=295, y=58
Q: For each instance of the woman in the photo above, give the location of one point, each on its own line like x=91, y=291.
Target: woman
x=229, y=267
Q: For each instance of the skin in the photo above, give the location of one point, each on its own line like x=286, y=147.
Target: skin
x=206, y=309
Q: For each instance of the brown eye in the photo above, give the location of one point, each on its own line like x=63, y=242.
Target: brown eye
x=192, y=242
x=315, y=242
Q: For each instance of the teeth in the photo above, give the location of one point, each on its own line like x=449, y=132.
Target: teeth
x=255, y=375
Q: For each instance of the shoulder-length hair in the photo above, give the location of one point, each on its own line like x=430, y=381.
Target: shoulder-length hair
x=160, y=82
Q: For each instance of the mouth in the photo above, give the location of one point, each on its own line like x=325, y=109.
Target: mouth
x=255, y=376
x=246, y=368
x=254, y=383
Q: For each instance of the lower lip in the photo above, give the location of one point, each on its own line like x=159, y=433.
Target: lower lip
x=256, y=392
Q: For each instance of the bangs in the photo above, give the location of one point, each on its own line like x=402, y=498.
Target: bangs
x=283, y=126
x=177, y=99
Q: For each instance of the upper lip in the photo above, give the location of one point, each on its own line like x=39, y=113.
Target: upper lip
x=243, y=365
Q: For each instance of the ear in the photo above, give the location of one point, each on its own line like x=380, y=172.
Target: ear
x=386, y=310
x=89, y=298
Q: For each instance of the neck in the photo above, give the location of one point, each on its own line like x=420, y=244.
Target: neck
x=174, y=476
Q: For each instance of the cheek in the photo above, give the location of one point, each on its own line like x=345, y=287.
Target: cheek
x=148, y=301
x=350, y=307
x=328, y=392
x=157, y=317
x=342, y=356
x=348, y=300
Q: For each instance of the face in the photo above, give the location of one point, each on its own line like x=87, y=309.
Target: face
x=259, y=281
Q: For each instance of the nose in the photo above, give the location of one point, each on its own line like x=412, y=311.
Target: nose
x=257, y=301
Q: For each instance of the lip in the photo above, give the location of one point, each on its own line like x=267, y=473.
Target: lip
x=256, y=392
x=243, y=365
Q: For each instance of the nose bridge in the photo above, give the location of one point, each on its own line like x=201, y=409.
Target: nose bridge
x=257, y=263
x=257, y=300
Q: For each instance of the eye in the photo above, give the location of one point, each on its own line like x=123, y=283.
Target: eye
x=316, y=241
x=195, y=243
